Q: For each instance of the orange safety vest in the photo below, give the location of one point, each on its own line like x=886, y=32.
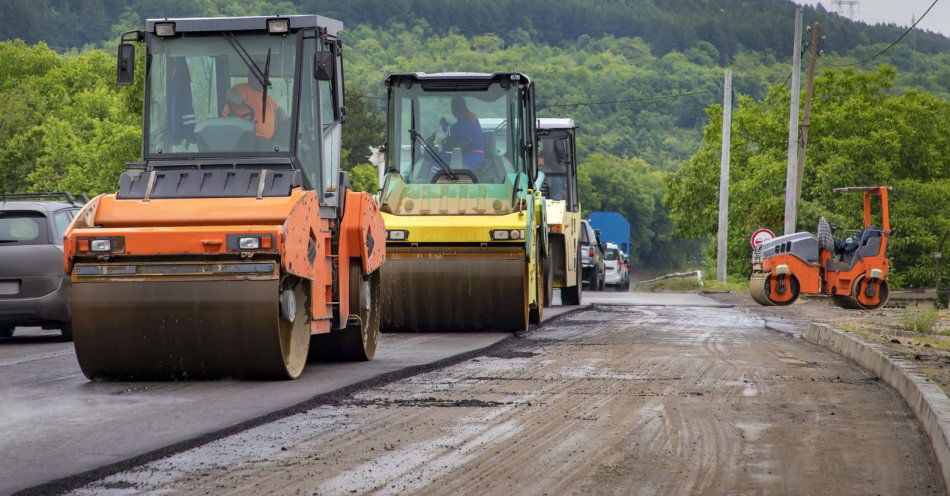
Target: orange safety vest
x=251, y=110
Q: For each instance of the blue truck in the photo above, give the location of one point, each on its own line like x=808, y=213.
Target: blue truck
x=613, y=228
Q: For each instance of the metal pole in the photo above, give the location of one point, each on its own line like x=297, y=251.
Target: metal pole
x=722, y=248
x=791, y=167
x=806, y=112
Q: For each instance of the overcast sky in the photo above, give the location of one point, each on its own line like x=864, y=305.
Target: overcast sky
x=898, y=12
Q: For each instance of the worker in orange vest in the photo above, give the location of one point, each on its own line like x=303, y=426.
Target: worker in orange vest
x=245, y=100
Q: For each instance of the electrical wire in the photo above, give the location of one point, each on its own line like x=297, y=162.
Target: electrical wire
x=898, y=40
x=778, y=91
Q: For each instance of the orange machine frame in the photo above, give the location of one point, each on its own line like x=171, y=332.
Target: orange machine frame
x=822, y=280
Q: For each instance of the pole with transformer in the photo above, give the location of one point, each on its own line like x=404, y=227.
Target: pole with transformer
x=791, y=166
x=806, y=113
x=722, y=245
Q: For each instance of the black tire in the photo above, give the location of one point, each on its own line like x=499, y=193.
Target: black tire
x=66, y=331
x=536, y=314
x=572, y=295
x=548, y=281
x=6, y=330
x=793, y=287
x=357, y=341
x=603, y=281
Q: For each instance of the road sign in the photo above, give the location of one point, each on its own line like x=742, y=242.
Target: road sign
x=761, y=236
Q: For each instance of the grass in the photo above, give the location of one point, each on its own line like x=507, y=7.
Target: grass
x=691, y=284
x=672, y=286
x=919, y=321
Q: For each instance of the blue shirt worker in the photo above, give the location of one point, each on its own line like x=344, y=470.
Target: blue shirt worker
x=467, y=129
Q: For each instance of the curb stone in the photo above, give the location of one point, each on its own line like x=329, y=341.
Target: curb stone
x=929, y=403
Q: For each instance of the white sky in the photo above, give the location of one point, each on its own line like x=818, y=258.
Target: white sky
x=897, y=12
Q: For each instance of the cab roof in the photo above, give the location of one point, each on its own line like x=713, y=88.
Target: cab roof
x=36, y=206
x=449, y=77
x=556, y=123
x=255, y=23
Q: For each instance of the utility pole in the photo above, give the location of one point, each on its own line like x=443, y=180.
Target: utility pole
x=806, y=113
x=791, y=167
x=722, y=247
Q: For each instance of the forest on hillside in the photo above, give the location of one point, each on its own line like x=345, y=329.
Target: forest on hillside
x=646, y=100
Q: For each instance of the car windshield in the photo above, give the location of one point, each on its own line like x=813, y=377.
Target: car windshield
x=555, y=170
x=206, y=93
x=611, y=254
x=459, y=145
x=23, y=228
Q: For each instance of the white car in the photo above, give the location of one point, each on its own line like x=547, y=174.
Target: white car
x=616, y=269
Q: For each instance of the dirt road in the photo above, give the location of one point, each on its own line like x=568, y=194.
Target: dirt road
x=614, y=400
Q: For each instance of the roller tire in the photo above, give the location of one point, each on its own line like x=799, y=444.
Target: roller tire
x=571, y=295
x=760, y=289
x=883, y=294
x=536, y=314
x=357, y=341
x=548, y=281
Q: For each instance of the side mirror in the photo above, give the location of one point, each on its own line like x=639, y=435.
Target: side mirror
x=560, y=150
x=323, y=64
x=125, y=65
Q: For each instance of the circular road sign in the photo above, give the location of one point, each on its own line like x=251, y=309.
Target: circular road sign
x=761, y=236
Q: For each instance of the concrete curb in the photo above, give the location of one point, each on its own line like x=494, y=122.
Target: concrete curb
x=929, y=403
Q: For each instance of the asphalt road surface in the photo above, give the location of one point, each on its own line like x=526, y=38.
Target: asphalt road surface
x=640, y=395
x=55, y=423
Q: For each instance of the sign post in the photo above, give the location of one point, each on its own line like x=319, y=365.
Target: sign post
x=761, y=236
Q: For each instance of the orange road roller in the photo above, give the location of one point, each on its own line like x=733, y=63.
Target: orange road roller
x=235, y=248
x=853, y=270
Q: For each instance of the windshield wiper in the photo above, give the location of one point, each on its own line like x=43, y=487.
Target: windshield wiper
x=259, y=75
x=264, y=96
x=432, y=153
x=9, y=240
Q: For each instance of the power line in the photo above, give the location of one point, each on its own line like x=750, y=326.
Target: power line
x=632, y=100
x=778, y=91
x=898, y=40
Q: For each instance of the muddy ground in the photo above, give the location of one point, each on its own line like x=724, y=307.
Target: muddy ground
x=614, y=400
x=930, y=351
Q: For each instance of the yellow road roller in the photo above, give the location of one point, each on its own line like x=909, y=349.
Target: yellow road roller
x=461, y=200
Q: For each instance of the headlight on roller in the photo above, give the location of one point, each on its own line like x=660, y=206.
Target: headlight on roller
x=397, y=235
x=249, y=243
x=507, y=234
x=100, y=245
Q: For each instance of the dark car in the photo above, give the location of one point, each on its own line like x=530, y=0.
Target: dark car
x=592, y=257
x=34, y=290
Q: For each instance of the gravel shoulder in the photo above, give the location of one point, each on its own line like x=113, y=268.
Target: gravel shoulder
x=889, y=327
x=614, y=400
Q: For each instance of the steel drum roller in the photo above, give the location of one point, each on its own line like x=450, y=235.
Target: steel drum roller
x=151, y=329
x=454, y=289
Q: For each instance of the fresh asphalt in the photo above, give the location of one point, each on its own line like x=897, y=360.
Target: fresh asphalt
x=54, y=423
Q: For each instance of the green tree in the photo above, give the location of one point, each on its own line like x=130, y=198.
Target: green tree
x=860, y=135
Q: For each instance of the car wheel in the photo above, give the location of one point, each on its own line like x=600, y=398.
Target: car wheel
x=66, y=331
x=6, y=331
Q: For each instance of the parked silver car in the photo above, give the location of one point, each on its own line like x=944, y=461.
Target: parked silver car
x=34, y=290
x=592, y=257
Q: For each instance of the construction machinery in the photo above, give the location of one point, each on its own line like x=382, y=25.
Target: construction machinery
x=558, y=161
x=853, y=270
x=461, y=199
x=236, y=246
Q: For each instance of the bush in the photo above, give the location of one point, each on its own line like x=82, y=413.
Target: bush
x=920, y=321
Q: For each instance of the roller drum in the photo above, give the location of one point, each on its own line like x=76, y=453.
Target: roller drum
x=757, y=288
x=160, y=329
x=454, y=289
